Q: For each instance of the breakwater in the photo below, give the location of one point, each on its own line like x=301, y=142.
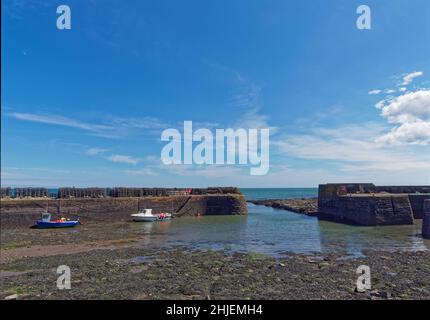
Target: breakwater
x=306, y=206
x=24, y=212
x=358, y=204
x=367, y=204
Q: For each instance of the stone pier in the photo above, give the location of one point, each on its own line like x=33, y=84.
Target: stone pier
x=17, y=213
x=369, y=205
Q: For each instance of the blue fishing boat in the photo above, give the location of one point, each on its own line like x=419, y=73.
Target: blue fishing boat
x=46, y=222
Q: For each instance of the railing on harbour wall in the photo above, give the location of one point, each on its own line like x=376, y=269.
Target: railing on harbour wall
x=117, y=192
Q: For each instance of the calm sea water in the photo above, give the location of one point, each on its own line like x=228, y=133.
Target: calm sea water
x=279, y=193
x=276, y=232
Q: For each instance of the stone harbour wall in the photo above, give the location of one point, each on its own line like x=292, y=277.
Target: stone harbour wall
x=368, y=210
x=369, y=205
x=25, y=212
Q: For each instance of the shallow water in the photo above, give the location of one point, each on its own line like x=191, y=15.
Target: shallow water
x=276, y=232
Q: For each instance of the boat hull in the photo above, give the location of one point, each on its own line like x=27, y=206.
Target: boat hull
x=164, y=218
x=52, y=224
x=144, y=219
x=149, y=218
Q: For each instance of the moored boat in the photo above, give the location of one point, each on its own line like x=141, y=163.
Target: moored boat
x=148, y=216
x=46, y=222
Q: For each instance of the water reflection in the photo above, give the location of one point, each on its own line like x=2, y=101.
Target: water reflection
x=275, y=232
x=353, y=239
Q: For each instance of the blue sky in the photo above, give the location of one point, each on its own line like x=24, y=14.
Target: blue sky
x=86, y=106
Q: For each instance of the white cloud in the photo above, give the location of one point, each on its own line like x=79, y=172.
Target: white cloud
x=411, y=112
x=123, y=159
x=352, y=148
x=386, y=91
x=402, y=89
x=380, y=104
x=409, y=107
x=417, y=132
x=407, y=79
x=376, y=91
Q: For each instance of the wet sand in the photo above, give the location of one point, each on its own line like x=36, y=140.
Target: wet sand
x=113, y=261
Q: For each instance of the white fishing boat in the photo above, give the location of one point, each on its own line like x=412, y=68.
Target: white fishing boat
x=145, y=215
x=148, y=216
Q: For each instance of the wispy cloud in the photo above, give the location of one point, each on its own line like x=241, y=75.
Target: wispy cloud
x=249, y=100
x=15, y=9
x=375, y=91
x=408, y=78
x=113, y=127
x=59, y=121
x=139, y=123
x=352, y=147
x=246, y=97
x=142, y=172
x=33, y=176
x=117, y=158
x=378, y=91
x=95, y=151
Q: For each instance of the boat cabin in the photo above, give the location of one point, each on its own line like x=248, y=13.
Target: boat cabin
x=147, y=212
x=46, y=217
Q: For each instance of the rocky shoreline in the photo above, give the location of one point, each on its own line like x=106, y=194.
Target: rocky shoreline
x=308, y=206
x=179, y=273
x=117, y=261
